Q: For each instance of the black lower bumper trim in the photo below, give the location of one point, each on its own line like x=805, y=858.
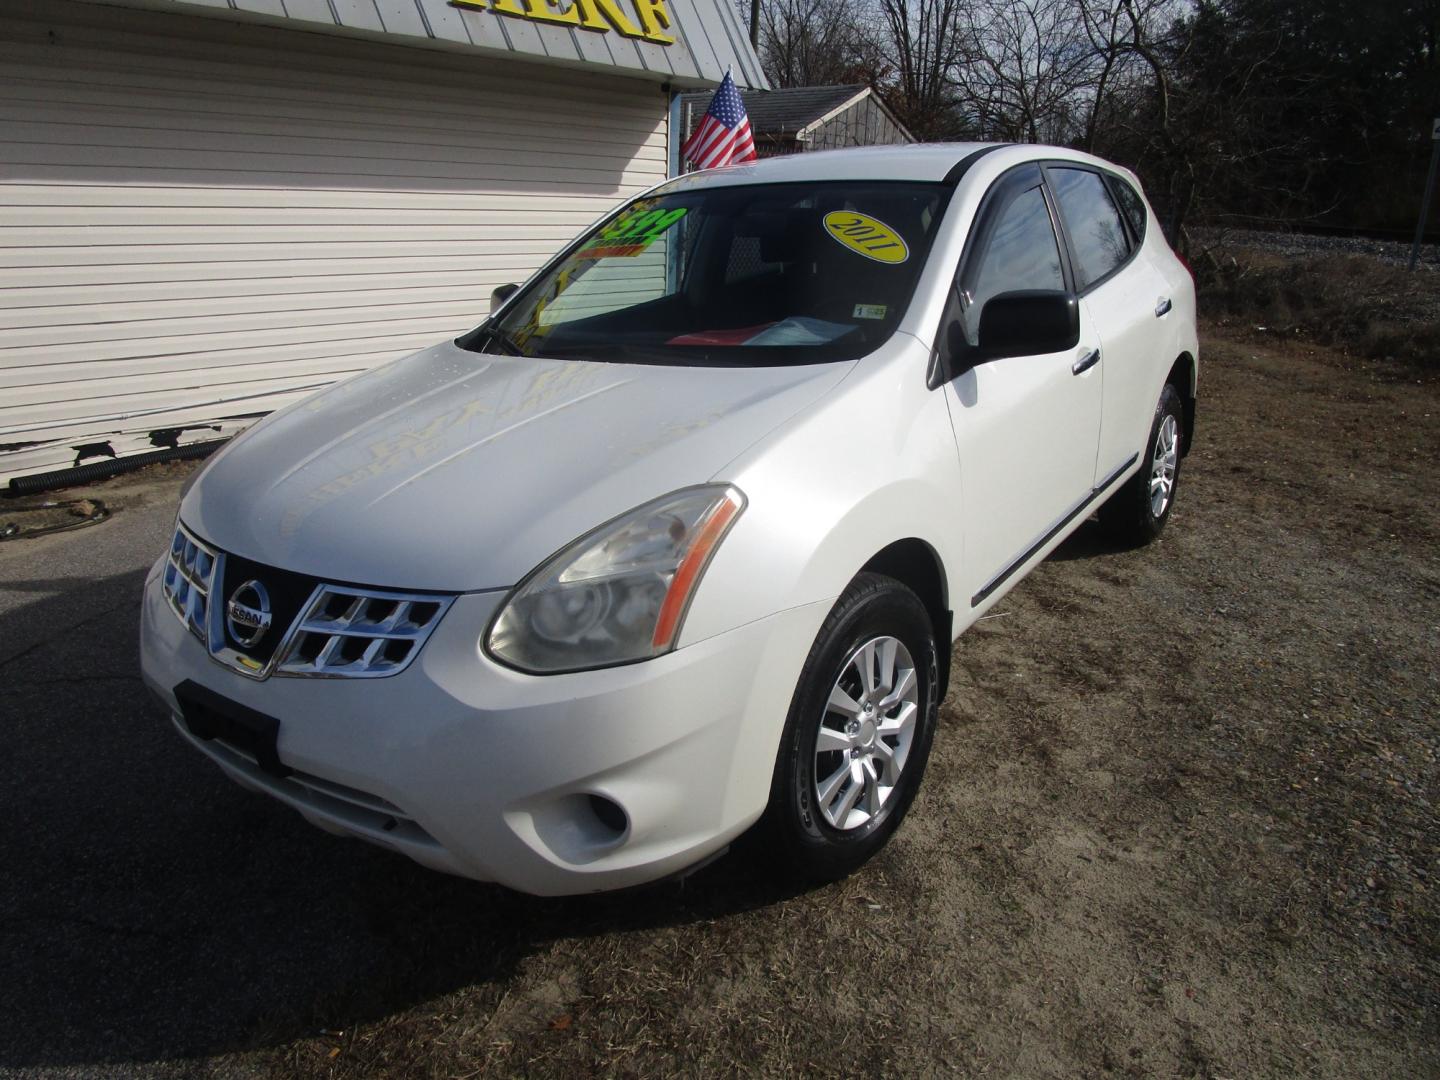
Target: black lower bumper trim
x=209, y=715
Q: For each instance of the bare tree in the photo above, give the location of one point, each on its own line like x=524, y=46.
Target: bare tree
x=1131, y=40
x=1021, y=70
x=922, y=49
x=812, y=42
x=1034, y=70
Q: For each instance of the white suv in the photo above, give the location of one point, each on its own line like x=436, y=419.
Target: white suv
x=677, y=541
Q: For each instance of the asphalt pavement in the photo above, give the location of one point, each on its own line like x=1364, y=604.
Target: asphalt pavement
x=154, y=918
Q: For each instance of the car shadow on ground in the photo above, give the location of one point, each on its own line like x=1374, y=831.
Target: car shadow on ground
x=151, y=910
x=1087, y=542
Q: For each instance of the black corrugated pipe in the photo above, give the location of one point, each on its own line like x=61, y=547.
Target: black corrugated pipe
x=99, y=470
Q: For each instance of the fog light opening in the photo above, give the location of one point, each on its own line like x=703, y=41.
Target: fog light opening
x=609, y=814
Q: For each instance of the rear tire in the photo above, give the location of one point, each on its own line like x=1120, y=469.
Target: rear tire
x=1136, y=514
x=858, y=733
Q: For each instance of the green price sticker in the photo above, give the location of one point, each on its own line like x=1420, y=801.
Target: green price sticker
x=631, y=234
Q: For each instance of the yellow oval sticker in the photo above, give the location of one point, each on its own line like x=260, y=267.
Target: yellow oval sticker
x=866, y=236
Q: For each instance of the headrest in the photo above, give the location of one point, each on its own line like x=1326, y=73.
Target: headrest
x=784, y=237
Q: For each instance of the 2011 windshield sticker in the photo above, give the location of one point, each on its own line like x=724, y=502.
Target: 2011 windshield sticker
x=866, y=236
x=631, y=234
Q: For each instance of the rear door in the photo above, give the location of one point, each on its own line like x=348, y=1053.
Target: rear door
x=1123, y=299
x=1026, y=427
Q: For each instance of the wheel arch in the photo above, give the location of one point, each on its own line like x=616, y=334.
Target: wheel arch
x=1182, y=377
x=918, y=566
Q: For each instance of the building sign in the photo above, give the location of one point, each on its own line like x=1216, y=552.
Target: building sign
x=645, y=19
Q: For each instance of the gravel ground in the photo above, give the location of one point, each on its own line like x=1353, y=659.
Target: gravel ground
x=1311, y=245
x=1179, y=821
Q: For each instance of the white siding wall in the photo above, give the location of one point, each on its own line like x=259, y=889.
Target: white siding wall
x=202, y=220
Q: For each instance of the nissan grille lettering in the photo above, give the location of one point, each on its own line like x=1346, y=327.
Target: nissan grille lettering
x=247, y=615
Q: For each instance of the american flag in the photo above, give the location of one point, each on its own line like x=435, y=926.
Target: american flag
x=723, y=137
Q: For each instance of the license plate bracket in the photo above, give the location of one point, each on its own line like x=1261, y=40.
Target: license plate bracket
x=209, y=715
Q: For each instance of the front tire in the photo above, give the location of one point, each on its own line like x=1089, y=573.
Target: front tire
x=858, y=733
x=1136, y=514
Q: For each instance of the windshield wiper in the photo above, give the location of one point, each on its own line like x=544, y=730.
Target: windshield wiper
x=506, y=343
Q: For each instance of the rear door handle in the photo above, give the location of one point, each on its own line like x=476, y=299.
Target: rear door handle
x=1085, y=363
x=1162, y=307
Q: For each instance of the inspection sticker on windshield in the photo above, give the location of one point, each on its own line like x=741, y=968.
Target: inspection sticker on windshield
x=866, y=236
x=868, y=311
x=631, y=233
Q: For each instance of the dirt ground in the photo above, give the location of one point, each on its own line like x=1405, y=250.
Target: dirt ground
x=1180, y=820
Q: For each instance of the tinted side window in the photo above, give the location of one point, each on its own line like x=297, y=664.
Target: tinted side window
x=1131, y=205
x=1093, y=222
x=1021, y=253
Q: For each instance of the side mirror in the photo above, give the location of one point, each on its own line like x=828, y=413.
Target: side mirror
x=1028, y=323
x=500, y=294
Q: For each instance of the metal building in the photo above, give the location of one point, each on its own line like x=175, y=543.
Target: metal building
x=211, y=208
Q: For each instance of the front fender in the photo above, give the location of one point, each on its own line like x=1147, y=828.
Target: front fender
x=874, y=462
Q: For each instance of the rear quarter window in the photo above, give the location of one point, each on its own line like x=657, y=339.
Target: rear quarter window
x=1131, y=205
x=1092, y=222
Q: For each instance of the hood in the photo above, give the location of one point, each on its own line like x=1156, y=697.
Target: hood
x=452, y=470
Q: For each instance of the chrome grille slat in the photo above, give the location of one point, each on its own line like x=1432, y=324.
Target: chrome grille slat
x=337, y=629
x=188, y=579
x=320, y=642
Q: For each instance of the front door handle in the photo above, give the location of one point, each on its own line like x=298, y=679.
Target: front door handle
x=1162, y=307
x=1085, y=363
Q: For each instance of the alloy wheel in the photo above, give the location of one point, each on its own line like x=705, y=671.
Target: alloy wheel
x=865, y=733
x=1163, y=464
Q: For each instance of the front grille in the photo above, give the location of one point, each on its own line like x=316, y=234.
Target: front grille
x=360, y=633
x=189, y=574
x=317, y=628
x=288, y=594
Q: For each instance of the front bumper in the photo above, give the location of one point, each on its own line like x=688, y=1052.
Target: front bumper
x=471, y=768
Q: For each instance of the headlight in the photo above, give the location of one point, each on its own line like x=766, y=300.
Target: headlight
x=618, y=594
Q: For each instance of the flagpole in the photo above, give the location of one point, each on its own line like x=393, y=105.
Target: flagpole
x=685, y=135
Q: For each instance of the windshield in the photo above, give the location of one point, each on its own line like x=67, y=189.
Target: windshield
x=756, y=275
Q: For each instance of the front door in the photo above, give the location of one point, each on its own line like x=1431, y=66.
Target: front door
x=1026, y=427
